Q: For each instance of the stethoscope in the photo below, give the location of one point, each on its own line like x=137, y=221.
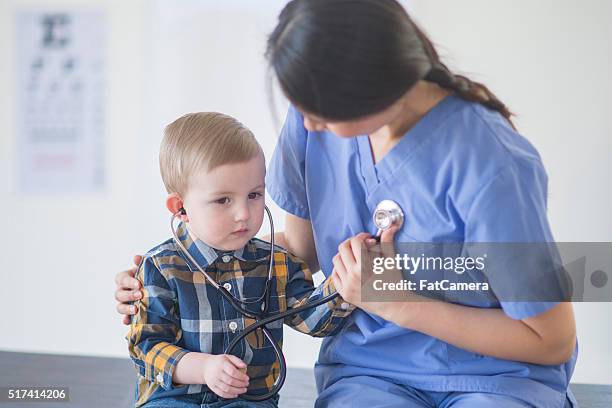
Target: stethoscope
x=386, y=214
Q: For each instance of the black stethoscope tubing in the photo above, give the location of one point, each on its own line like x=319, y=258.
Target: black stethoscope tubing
x=388, y=209
x=261, y=320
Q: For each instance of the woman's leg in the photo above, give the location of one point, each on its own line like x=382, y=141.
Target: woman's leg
x=368, y=392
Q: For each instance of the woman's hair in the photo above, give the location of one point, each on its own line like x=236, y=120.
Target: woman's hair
x=346, y=59
x=200, y=142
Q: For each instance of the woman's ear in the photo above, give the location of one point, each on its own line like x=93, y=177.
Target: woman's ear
x=174, y=203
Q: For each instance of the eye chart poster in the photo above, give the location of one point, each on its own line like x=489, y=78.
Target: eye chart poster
x=61, y=100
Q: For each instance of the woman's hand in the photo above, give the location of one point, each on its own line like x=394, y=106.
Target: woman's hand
x=128, y=290
x=348, y=277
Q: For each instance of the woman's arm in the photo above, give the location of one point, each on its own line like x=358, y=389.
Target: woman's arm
x=548, y=338
x=299, y=240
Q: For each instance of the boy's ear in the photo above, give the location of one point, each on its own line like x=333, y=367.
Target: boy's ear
x=174, y=203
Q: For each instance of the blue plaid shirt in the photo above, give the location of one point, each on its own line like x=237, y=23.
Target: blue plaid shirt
x=181, y=311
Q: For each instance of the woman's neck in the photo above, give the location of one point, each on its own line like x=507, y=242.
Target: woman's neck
x=403, y=115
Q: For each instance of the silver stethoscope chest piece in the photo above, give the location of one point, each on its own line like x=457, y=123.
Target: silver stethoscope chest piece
x=387, y=214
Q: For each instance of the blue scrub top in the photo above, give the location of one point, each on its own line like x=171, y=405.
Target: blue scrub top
x=461, y=174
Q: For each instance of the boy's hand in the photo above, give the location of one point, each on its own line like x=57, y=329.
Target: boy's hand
x=128, y=290
x=225, y=375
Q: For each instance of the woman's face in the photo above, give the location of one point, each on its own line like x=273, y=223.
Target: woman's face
x=351, y=128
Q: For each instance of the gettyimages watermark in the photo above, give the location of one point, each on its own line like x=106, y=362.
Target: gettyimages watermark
x=488, y=273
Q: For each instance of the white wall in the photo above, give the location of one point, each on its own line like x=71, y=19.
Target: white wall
x=63, y=250
x=547, y=60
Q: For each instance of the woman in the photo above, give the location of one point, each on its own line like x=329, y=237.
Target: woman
x=376, y=115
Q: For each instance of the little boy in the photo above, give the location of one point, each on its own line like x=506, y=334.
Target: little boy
x=213, y=170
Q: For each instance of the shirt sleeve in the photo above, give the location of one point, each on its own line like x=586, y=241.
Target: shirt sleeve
x=285, y=178
x=324, y=320
x=155, y=329
x=511, y=208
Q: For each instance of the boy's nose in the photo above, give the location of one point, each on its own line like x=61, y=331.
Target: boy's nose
x=243, y=213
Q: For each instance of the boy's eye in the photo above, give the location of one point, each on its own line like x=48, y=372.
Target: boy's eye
x=223, y=200
x=255, y=195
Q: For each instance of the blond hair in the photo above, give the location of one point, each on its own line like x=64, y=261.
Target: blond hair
x=202, y=141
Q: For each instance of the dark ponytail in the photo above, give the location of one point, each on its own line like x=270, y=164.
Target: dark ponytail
x=460, y=84
x=346, y=59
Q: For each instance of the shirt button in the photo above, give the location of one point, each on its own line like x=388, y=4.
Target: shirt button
x=227, y=286
x=226, y=258
x=160, y=378
x=233, y=326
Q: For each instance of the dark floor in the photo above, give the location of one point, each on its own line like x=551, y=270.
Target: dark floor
x=108, y=382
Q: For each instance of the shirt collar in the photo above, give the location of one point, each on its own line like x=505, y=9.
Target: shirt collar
x=205, y=255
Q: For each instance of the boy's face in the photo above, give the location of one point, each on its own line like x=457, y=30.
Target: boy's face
x=225, y=206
